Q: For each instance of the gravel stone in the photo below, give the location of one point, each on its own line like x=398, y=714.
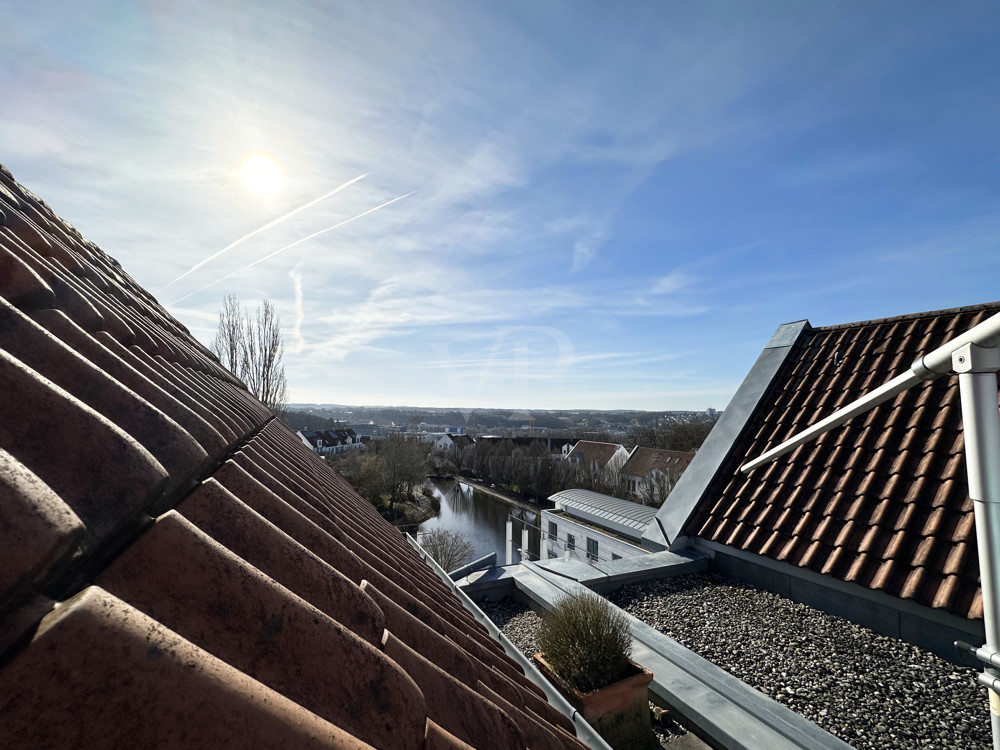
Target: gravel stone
x=870, y=690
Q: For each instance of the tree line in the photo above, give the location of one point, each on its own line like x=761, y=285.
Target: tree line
x=386, y=473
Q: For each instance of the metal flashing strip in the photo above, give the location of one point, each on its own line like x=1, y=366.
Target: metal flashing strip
x=584, y=732
x=698, y=476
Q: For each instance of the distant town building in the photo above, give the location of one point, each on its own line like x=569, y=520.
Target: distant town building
x=599, y=456
x=451, y=443
x=650, y=473
x=325, y=442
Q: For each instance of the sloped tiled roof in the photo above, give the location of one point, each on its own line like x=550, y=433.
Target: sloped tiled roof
x=178, y=569
x=645, y=460
x=590, y=450
x=331, y=437
x=882, y=501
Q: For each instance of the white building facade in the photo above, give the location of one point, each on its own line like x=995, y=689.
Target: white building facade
x=592, y=527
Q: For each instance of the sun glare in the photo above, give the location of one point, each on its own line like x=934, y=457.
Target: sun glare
x=262, y=174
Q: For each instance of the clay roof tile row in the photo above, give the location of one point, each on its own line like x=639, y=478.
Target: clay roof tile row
x=178, y=568
x=882, y=501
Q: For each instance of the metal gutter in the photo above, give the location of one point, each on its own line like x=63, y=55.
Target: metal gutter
x=486, y=561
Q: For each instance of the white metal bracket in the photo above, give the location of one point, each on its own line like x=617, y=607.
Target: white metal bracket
x=975, y=358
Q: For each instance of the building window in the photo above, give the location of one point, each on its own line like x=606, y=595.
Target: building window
x=570, y=541
x=591, y=549
x=553, y=529
x=552, y=553
x=615, y=557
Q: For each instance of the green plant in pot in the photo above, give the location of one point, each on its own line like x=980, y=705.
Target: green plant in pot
x=586, y=644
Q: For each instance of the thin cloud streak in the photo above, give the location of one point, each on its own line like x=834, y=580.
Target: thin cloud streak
x=264, y=228
x=294, y=244
x=298, y=342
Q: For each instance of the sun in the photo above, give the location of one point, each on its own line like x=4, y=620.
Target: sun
x=262, y=174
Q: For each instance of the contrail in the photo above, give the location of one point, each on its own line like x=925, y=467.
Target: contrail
x=289, y=247
x=267, y=226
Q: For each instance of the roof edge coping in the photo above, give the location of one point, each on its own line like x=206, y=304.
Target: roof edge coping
x=687, y=493
x=911, y=316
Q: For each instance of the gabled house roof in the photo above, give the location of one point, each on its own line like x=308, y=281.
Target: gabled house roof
x=592, y=451
x=881, y=502
x=459, y=441
x=184, y=571
x=644, y=461
x=333, y=437
x=312, y=437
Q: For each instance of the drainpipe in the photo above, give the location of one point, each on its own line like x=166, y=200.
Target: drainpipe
x=584, y=732
x=510, y=542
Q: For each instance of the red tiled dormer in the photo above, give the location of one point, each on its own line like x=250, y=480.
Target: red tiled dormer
x=178, y=569
x=882, y=501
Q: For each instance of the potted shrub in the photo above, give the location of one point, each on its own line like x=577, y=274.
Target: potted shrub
x=586, y=648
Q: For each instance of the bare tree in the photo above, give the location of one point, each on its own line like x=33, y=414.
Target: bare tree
x=449, y=548
x=655, y=487
x=251, y=347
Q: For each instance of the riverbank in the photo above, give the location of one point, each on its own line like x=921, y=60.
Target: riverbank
x=414, y=512
x=500, y=495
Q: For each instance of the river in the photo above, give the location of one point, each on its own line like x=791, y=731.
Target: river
x=482, y=518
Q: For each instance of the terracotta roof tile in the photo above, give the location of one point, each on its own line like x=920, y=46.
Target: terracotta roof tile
x=958, y=558
x=887, y=487
x=141, y=685
x=23, y=286
x=268, y=605
x=454, y=706
x=224, y=517
x=107, y=478
x=39, y=528
x=215, y=599
x=436, y=738
x=773, y=545
x=835, y=561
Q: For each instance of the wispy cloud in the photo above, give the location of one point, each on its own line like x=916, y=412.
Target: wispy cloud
x=585, y=249
x=298, y=342
x=667, y=142
x=672, y=282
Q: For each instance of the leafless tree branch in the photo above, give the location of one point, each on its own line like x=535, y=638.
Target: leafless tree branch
x=251, y=347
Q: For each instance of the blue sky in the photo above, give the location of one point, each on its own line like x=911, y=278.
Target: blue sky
x=608, y=205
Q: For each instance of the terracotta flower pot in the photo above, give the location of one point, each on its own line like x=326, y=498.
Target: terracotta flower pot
x=619, y=712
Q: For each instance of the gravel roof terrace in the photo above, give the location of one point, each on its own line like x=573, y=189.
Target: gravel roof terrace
x=870, y=690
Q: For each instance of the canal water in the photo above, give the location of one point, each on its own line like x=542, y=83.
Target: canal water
x=481, y=518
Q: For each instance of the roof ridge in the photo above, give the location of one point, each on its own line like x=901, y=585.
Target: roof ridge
x=909, y=316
